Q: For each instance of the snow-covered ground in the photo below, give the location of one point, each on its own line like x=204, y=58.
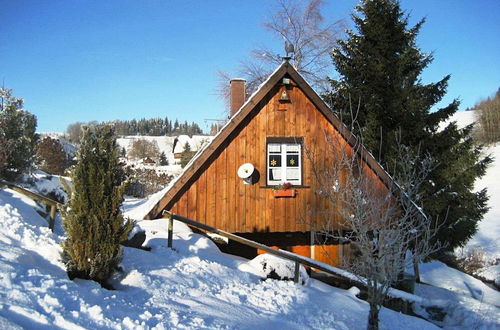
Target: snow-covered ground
x=486, y=240
x=467, y=302
x=166, y=143
x=194, y=286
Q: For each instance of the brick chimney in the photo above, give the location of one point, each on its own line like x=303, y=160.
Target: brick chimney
x=237, y=94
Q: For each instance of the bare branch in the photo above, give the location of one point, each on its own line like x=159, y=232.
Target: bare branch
x=383, y=225
x=301, y=24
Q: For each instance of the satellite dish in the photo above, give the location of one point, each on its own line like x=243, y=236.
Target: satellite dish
x=245, y=172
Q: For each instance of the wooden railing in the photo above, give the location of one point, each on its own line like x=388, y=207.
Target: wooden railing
x=47, y=201
x=298, y=259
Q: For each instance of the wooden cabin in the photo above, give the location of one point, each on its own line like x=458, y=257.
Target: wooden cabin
x=272, y=131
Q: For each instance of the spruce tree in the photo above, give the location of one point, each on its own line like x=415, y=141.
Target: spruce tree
x=93, y=220
x=186, y=155
x=18, y=138
x=163, y=159
x=380, y=95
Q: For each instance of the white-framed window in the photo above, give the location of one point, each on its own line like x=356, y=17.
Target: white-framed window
x=284, y=161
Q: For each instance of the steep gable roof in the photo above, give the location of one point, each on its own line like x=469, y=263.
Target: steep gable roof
x=181, y=183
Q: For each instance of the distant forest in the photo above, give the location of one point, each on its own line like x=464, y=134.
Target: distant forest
x=147, y=127
x=155, y=127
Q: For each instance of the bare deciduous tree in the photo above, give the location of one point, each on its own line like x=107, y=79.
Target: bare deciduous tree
x=301, y=24
x=143, y=148
x=51, y=156
x=381, y=224
x=489, y=119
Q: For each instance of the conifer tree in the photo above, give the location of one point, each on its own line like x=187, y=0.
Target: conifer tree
x=186, y=155
x=380, y=90
x=163, y=159
x=93, y=220
x=17, y=136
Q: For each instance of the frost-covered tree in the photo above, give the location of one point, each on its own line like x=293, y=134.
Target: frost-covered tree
x=17, y=136
x=93, y=220
x=382, y=225
x=143, y=148
x=163, y=161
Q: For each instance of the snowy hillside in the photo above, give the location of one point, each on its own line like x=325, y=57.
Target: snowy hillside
x=486, y=240
x=166, y=143
x=194, y=286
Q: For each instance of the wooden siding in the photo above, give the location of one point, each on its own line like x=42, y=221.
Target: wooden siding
x=216, y=196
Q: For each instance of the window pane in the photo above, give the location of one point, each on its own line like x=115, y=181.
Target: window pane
x=292, y=174
x=274, y=160
x=292, y=160
x=275, y=174
x=292, y=148
x=274, y=147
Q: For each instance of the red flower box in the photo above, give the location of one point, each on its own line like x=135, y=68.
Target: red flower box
x=284, y=193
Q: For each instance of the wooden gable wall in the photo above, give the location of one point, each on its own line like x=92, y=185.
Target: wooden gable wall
x=217, y=197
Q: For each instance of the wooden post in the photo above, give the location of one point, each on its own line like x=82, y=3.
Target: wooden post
x=170, y=229
x=297, y=272
x=52, y=217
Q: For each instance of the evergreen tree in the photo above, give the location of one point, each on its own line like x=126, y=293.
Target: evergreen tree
x=163, y=159
x=93, y=220
x=380, y=95
x=17, y=136
x=186, y=155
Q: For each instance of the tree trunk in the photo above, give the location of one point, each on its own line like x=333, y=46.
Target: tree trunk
x=416, y=271
x=373, y=317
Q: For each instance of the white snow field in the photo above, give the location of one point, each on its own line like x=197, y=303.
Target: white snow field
x=194, y=286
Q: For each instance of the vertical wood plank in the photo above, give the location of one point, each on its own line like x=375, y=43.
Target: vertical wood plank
x=264, y=192
x=223, y=182
x=242, y=188
x=201, y=204
x=211, y=181
x=232, y=181
x=237, y=187
x=250, y=199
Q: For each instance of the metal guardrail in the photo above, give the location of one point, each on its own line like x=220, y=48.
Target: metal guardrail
x=54, y=205
x=298, y=259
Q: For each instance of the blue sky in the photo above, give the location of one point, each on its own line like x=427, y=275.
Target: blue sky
x=76, y=60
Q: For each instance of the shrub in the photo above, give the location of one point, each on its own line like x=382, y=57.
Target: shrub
x=93, y=220
x=144, y=182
